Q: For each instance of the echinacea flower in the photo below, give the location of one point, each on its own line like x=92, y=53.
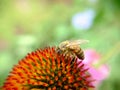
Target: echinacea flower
x=46, y=69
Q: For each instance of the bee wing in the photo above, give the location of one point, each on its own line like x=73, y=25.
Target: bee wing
x=77, y=42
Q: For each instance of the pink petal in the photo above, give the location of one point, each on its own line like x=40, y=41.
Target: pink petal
x=91, y=56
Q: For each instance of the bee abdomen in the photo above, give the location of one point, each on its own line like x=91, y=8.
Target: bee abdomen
x=80, y=54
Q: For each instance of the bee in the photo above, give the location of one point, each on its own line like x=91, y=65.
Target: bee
x=72, y=48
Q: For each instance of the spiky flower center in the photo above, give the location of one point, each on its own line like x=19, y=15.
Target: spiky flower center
x=48, y=70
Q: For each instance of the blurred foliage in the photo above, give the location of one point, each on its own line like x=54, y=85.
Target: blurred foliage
x=26, y=25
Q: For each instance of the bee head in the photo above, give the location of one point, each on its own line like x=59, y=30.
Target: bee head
x=63, y=46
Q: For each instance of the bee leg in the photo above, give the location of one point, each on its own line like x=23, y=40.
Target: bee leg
x=73, y=60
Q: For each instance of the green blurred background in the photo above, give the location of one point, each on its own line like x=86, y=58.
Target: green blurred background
x=26, y=25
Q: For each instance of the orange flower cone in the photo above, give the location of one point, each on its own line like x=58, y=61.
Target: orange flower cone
x=45, y=69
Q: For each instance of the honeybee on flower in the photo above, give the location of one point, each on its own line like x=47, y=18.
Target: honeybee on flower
x=72, y=48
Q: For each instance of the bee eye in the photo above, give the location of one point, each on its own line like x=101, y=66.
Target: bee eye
x=58, y=50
